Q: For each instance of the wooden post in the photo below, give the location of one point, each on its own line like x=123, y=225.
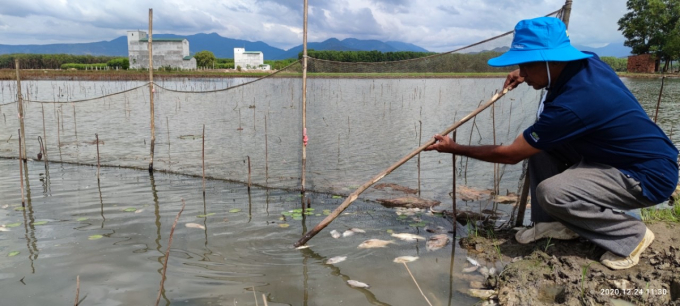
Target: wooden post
x=151, y=89
x=523, y=197
x=453, y=193
x=304, y=98
x=77, y=290
x=20, y=103
x=249, y=173
x=266, y=152
x=420, y=137
x=658, y=102
x=21, y=172
x=567, y=13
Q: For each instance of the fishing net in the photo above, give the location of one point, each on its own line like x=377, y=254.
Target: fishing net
x=360, y=118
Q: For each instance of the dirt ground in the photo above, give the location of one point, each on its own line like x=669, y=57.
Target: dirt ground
x=569, y=272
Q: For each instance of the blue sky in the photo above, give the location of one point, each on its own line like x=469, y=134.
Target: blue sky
x=436, y=25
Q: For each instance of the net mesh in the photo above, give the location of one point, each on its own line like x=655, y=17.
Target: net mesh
x=361, y=118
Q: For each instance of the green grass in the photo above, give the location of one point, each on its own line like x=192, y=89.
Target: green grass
x=652, y=214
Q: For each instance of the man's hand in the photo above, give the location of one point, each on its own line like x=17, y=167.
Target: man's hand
x=442, y=144
x=513, y=80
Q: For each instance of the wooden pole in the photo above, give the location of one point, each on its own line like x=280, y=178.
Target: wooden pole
x=567, y=13
x=20, y=103
x=151, y=89
x=203, y=159
x=97, y=139
x=44, y=134
x=658, y=102
x=21, y=172
x=523, y=198
x=420, y=138
x=77, y=290
x=453, y=193
x=304, y=99
x=266, y=152
x=249, y=173
x=354, y=195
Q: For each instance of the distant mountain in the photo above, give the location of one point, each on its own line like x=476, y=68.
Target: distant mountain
x=616, y=49
x=353, y=44
x=116, y=47
x=222, y=47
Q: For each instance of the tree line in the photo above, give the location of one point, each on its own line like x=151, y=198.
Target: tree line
x=364, y=56
x=50, y=61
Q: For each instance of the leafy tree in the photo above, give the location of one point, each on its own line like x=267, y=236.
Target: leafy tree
x=651, y=26
x=204, y=58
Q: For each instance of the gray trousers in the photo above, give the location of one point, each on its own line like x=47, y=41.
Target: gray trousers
x=588, y=198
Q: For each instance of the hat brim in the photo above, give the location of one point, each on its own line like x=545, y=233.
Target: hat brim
x=516, y=57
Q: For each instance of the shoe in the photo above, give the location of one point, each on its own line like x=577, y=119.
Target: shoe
x=616, y=262
x=554, y=230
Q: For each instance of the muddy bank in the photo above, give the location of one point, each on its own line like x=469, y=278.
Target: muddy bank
x=569, y=272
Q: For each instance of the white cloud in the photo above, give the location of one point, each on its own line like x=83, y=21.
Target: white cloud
x=437, y=25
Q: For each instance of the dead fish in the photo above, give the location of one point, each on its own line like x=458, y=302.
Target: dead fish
x=302, y=247
x=374, y=243
x=484, y=271
x=5, y=206
x=407, y=236
x=357, y=230
x=194, y=225
x=437, y=242
x=470, y=269
x=4, y=229
x=335, y=234
x=402, y=259
x=472, y=261
x=492, y=271
x=139, y=211
x=357, y=284
x=347, y=233
x=336, y=259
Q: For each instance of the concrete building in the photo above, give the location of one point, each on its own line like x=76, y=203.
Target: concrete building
x=167, y=52
x=249, y=59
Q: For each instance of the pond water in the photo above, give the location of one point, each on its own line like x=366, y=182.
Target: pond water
x=356, y=128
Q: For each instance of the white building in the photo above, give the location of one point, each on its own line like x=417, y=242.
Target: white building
x=167, y=52
x=249, y=59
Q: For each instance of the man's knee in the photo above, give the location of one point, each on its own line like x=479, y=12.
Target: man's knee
x=549, y=195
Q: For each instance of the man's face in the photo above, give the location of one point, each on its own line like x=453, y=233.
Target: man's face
x=534, y=74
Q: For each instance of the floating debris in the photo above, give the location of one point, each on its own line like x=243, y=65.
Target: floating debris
x=5, y=206
x=131, y=209
x=206, y=215
x=402, y=259
x=39, y=222
x=195, y=225
x=302, y=247
x=13, y=253
x=466, y=193
x=407, y=236
x=438, y=230
x=336, y=259
x=4, y=229
x=81, y=219
x=357, y=284
x=13, y=224
x=335, y=234
x=484, y=271
x=139, y=211
x=357, y=230
x=374, y=243
x=437, y=242
x=395, y=187
x=470, y=269
x=507, y=199
x=408, y=202
x=482, y=294
x=95, y=237
x=284, y=225
x=348, y=233
x=234, y=210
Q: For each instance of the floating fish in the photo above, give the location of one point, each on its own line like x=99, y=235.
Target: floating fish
x=408, y=237
x=335, y=234
x=139, y=211
x=4, y=229
x=336, y=259
x=472, y=261
x=195, y=225
x=348, y=233
x=357, y=230
x=374, y=243
x=484, y=271
x=5, y=206
x=492, y=271
x=302, y=247
x=470, y=269
x=437, y=242
x=402, y=259
x=357, y=284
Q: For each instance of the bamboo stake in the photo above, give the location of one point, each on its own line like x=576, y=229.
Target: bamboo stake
x=523, y=197
x=266, y=152
x=97, y=139
x=414, y=280
x=453, y=194
x=21, y=172
x=249, y=182
x=20, y=103
x=77, y=290
x=420, y=138
x=658, y=102
x=203, y=159
x=44, y=134
x=304, y=99
x=167, y=253
x=354, y=195
x=151, y=90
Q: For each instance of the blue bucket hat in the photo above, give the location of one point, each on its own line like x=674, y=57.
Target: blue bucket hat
x=539, y=40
